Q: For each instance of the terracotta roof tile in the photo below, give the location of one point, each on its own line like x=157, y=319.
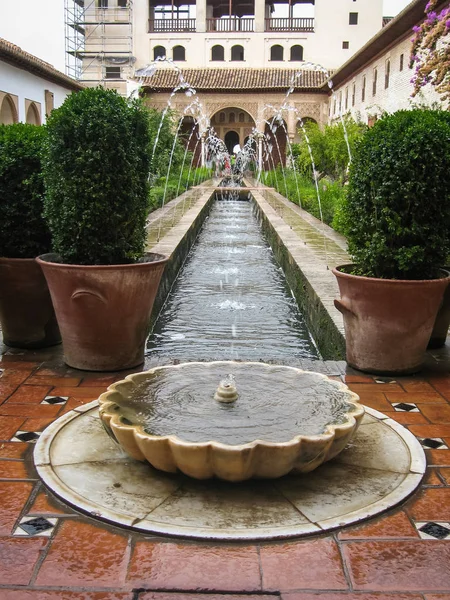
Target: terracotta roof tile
x=17, y=57
x=235, y=79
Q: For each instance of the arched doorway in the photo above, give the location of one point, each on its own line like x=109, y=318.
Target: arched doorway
x=231, y=140
x=8, y=114
x=232, y=120
x=189, y=134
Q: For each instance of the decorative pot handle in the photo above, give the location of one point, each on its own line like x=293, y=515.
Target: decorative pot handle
x=343, y=307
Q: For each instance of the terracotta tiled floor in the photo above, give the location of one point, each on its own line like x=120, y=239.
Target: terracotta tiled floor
x=82, y=559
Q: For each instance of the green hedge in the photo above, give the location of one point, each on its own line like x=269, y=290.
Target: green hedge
x=23, y=231
x=397, y=216
x=96, y=171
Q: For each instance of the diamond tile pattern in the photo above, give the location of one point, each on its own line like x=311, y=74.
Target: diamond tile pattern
x=26, y=436
x=433, y=443
x=405, y=407
x=55, y=399
x=35, y=526
x=433, y=531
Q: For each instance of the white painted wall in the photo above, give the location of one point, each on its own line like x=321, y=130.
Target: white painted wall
x=396, y=96
x=29, y=87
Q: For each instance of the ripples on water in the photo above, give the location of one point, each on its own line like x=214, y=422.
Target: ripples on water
x=230, y=300
x=275, y=403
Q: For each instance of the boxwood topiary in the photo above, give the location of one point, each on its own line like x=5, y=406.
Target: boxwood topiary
x=397, y=212
x=96, y=172
x=23, y=231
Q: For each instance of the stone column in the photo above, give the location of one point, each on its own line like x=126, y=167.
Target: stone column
x=260, y=10
x=291, y=124
x=200, y=25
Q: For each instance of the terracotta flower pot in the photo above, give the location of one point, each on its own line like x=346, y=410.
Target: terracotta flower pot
x=103, y=311
x=26, y=311
x=387, y=322
x=442, y=322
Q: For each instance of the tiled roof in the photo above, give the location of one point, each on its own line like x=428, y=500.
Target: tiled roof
x=243, y=79
x=17, y=57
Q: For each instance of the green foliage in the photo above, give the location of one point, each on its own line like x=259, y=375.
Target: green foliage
x=398, y=210
x=328, y=147
x=302, y=190
x=176, y=185
x=96, y=171
x=23, y=231
x=163, y=130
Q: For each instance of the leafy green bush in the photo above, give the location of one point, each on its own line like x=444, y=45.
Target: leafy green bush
x=23, y=231
x=328, y=147
x=398, y=210
x=96, y=171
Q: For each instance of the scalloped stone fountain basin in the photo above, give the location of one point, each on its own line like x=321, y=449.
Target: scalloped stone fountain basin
x=283, y=420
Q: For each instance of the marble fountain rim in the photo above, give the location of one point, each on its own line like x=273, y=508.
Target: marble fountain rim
x=230, y=462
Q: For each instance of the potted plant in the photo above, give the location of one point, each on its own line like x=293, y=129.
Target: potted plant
x=26, y=312
x=103, y=285
x=397, y=217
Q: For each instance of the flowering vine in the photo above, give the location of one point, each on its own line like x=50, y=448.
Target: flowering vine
x=430, y=53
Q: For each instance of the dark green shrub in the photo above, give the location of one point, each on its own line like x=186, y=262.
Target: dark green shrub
x=398, y=209
x=23, y=231
x=96, y=173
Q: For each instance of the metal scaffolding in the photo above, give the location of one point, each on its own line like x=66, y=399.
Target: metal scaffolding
x=99, y=41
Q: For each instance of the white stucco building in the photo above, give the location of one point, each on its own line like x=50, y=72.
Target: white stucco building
x=29, y=87
x=377, y=78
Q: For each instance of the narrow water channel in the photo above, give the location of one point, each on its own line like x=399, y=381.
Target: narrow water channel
x=231, y=300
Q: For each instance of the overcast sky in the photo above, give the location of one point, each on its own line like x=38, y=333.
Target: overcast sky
x=41, y=32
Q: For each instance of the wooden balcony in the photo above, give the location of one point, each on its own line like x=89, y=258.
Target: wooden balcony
x=287, y=24
x=171, y=25
x=225, y=25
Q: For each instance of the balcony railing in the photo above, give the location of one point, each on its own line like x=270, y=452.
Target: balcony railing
x=287, y=24
x=231, y=24
x=171, y=25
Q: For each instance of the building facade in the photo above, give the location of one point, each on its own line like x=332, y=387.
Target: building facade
x=29, y=87
x=377, y=78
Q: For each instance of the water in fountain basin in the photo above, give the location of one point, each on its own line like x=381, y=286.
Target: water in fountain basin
x=275, y=404
x=231, y=299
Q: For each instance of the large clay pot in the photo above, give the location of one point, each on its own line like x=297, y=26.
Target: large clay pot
x=103, y=311
x=387, y=322
x=442, y=322
x=26, y=311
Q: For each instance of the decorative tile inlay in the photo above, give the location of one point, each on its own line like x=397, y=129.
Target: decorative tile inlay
x=55, y=399
x=433, y=531
x=35, y=526
x=26, y=436
x=405, y=407
x=385, y=381
x=433, y=443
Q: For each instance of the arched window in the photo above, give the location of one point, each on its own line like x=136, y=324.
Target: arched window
x=179, y=53
x=222, y=117
x=276, y=52
x=297, y=52
x=241, y=117
x=159, y=52
x=237, y=52
x=217, y=53
x=8, y=113
x=33, y=117
x=232, y=118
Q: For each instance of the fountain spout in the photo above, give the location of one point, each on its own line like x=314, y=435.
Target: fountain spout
x=226, y=392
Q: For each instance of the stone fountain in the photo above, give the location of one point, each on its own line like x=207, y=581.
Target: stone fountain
x=275, y=420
